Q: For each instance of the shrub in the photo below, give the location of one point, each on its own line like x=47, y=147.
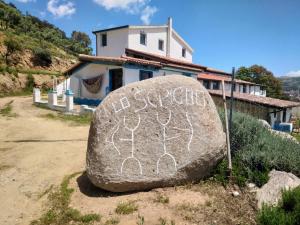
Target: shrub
x=12, y=46
x=42, y=57
x=256, y=151
x=286, y=212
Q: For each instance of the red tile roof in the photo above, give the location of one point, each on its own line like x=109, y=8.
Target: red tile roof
x=117, y=60
x=209, y=76
x=266, y=101
x=165, y=60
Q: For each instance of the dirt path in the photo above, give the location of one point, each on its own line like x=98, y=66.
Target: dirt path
x=35, y=154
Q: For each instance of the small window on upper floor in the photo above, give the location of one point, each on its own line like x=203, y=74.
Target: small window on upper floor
x=144, y=74
x=244, y=88
x=206, y=84
x=183, y=52
x=143, y=38
x=161, y=45
x=104, y=40
x=215, y=85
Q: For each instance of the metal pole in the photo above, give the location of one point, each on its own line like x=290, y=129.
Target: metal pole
x=227, y=130
x=231, y=100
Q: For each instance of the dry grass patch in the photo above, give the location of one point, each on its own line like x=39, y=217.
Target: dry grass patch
x=7, y=110
x=160, y=198
x=112, y=221
x=5, y=167
x=59, y=211
x=163, y=221
x=125, y=208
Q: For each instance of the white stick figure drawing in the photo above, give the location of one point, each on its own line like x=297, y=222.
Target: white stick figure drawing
x=191, y=130
x=165, y=154
x=132, y=130
x=112, y=137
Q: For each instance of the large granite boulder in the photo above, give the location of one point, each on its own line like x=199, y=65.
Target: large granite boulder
x=154, y=133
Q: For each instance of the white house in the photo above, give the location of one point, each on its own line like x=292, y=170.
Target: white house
x=132, y=53
x=161, y=40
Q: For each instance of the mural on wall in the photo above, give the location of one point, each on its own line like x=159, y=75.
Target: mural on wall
x=131, y=116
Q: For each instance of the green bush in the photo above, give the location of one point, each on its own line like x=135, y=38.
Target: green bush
x=42, y=57
x=287, y=212
x=256, y=151
x=30, y=82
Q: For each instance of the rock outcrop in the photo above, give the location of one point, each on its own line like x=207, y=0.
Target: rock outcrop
x=154, y=133
x=270, y=193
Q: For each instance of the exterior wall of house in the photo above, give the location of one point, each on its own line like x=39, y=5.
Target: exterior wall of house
x=176, y=50
x=89, y=71
x=133, y=74
x=153, y=36
x=258, y=111
x=250, y=89
x=117, y=41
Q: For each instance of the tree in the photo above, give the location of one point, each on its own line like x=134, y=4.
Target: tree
x=12, y=46
x=82, y=38
x=260, y=75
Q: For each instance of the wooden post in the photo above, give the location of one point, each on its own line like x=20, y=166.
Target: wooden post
x=231, y=100
x=227, y=130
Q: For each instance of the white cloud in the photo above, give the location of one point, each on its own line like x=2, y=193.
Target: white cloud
x=42, y=13
x=136, y=7
x=130, y=6
x=61, y=10
x=293, y=74
x=147, y=13
x=25, y=1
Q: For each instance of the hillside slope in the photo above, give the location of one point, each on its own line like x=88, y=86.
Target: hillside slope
x=32, y=51
x=290, y=83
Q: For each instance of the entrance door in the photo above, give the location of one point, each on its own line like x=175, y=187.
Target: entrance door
x=115, y=79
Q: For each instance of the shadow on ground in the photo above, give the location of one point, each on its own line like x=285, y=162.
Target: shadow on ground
x=87, y=188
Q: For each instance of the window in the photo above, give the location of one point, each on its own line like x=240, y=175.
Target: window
x=244, y=89
x=143, y=38
x=216, y=85
x=284, y=116
x=104, y=40
x=161, y=45
x=234, y=87
x=183, y=52
x=187, y=74
x=144, y=74
x=206, y=84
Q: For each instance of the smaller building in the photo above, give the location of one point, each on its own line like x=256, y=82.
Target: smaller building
x=212, y=81
x=273, y=110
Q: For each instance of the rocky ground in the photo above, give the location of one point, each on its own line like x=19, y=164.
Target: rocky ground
x=37, y=153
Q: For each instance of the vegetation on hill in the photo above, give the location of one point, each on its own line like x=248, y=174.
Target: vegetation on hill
x=30, y=46
x=42, y=32
x=290, y=83
x=260, y=75
x=256, y=151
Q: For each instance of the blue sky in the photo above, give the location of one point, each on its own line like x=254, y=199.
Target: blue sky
x=223, y=33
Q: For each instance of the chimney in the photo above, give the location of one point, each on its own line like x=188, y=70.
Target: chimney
x=169, y=35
